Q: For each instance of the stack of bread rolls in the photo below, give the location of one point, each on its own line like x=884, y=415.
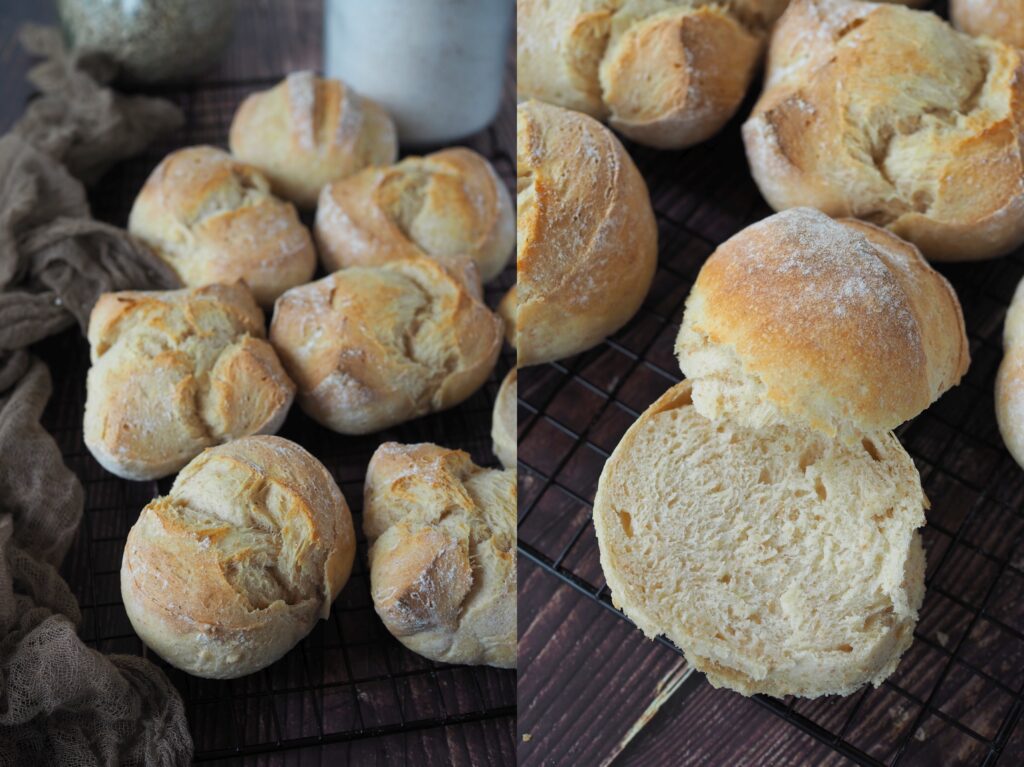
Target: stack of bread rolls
x=761, y=514
x=254, y=541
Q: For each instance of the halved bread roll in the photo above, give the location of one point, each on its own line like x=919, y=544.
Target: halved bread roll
x=780, y=561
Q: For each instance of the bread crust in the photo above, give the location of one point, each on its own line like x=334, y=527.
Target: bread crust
x=234, y=566
x=442, y=553
x=586, y=236
x=762, y=578
x=450, y=205
x=213, y=220
x=839, y=325
x=176, y=371
x=503, y=421
x=371, y=347
x=1000, y=19
x=881, y=113
x=665, y=73
x=1009, y=389
x=308, y=131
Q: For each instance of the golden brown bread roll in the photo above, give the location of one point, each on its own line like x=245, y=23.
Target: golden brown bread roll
x=666, y=73
x=306, y=132
x=587, y=243
x=176, y=371
x=504, y=421
x=1001, y=19
x=371, y=347
x=1010, y=379
x=234, y=566
x=213, y=219
x=450, y=205
x=839, y=326
x=890, y=115
x=442, y=553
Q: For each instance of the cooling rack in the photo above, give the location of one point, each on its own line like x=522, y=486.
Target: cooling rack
x=349, y=681
x=958, y=694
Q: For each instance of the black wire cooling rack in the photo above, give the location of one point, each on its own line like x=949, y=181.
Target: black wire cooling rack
x=349, y=680
x=958, y=694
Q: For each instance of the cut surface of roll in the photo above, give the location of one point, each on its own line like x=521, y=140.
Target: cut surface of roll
x=890, y=115
x=587, y=245
x=780, y=561
x=308, y=131
x=838, y=325
x=450, y=205
x=177, y=371
x=228, y=571
x=442, y=553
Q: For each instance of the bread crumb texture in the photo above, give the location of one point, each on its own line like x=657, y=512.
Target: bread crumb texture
x=890, y=115
x=442, y=553
x=779, y=560
x=176, y=371
x=228, y=571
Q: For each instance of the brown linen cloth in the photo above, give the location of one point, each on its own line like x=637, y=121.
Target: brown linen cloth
x=62, y=703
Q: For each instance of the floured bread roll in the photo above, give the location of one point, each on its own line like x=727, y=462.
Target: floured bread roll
x=587, y=242
x=891, y=116
x=449, y=205
x=307, y=131
x=176, y=371
x=666, y=73
x=504, y=421
x=1010, y=379
x=442, y=553
x=838, y=325
x=780, y=561
x=228, y=571
x=371, y=347
x=213, y=220
x=1001, y=19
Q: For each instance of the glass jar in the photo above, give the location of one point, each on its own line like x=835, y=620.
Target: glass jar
x=436, y=65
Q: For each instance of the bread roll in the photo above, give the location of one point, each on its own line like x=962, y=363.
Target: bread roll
x=1010, y=379
x=890, y=115
x=450, y=205
x=213, y=219
x=442, y=553
x=226, y=573
x=504, y=421
x=176, y=371
x=1001, y=19
x=837, y=325
x=665, y=73
x=371, y=347
x=587, y=244
x=780, y=561
x=306, y=132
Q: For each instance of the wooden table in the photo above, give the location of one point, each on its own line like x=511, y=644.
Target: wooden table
x=350, y=693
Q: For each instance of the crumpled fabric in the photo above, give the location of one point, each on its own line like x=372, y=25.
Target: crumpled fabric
x=62, y=703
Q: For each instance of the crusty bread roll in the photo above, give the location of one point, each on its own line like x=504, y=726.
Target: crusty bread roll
x=176, y=371
x=442, y=553
x=371, y=347
x=779, y=560
x=587, y=242
x=213, y=219
x=450, y=205
x=226, y=573
x=666, y=73
x=890, y=115
x=1001, y=19
x=504, y=421
x=306, y=132
x=838, y=325
x=1010, y=379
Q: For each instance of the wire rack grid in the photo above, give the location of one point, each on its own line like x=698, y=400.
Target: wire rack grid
x=958, y=694
x=349, y=679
